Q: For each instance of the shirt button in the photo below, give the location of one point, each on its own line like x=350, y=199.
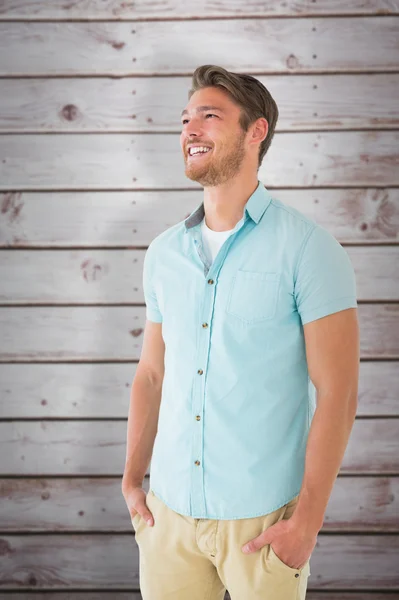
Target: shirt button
x=197, y=462
x=198, y=418
x=204, y=325
x=200, y=371
x=210, y=281
x=296, y=574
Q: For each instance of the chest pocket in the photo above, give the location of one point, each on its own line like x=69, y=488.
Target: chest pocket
x=253, y=295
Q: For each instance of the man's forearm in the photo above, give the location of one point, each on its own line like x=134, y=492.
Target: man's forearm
x=327, y=440
x=141, y=428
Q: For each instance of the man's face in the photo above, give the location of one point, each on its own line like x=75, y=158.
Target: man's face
x=217, y=129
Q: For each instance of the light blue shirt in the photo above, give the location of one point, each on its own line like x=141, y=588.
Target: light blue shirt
x=237, y=400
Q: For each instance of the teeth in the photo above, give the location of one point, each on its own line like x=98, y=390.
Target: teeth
x=198, y=150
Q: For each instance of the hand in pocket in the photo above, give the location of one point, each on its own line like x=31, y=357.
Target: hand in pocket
x=136, y=500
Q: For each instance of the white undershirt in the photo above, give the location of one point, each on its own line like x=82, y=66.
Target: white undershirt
x=212, y=240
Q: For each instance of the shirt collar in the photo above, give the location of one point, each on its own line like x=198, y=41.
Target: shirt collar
x=256, y=205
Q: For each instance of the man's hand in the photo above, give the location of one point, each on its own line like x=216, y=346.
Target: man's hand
x=135, y=497
x=292, y=543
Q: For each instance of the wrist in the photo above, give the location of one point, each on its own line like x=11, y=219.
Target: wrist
x=307, y=520
x=129, y=482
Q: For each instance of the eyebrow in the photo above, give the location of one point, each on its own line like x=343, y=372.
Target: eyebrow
x=203, y=108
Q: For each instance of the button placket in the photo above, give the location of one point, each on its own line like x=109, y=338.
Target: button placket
x=198, y=504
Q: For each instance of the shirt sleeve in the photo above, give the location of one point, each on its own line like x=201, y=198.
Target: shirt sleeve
x=152, y=309
x=325, y=280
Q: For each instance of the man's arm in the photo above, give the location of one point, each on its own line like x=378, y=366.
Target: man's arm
x=333, y=354
x=145, y=401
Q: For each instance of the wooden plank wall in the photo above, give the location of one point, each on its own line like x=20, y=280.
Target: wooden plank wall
x=90, y=172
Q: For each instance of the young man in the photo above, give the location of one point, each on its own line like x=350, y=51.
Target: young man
x=249, y=304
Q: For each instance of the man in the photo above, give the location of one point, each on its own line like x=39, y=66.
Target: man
x=249, y=305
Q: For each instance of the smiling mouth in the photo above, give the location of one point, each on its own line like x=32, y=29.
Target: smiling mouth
x=198, y=154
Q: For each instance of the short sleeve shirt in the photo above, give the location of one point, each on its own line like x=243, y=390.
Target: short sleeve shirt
x=237, y=400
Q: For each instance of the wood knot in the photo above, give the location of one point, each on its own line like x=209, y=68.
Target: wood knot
x=292, y=61
x=118, y=45
x=11, y=205
x=70, y=112
x=5, y=548
x=136, y=332
x=92, y=271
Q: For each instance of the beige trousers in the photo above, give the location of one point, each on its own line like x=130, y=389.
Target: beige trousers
x=183, y=558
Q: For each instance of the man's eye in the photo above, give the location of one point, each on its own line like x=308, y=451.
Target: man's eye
x=207, y=115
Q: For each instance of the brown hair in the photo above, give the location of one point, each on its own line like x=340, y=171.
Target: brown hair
x=248, y=93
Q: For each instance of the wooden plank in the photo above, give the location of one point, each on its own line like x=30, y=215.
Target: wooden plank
x=120, y=219
x=97, y=104
x=134, y=595
x=374, y=267
x=97, y=333
x=375, y=320
x=109, y=561
x=357, y=504
x=74, y=277
x=124, y=161
x=69, y=561
x=345, y=44
x=142, y=9
x=115, y=276
x=131, y=595
x=56, y=390
x=98, y=447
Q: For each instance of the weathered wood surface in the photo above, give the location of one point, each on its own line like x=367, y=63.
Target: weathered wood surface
x=109, y=561
x=189, y=9
x=63, y=512
x=131, y=104
x=133, y=595
x=98, y=447
x=115, y=276
x=56, y=390
x=119, y=219
x=96, y=333
x=127, y=161
x=357, y=504
x=69, y=561
x=171, y=47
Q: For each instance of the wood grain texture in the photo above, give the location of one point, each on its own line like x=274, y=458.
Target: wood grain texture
x=115, y=276
x=134, y=595
x=97, y=333
x=110, y=561
x=131, y=104
x=78, y=209
x=42, y=448
x=171, y=47
x=357, y=504
x=69, y=561
x=125, y=161
x=129, y=595
x=126, y=219
x=189, y=9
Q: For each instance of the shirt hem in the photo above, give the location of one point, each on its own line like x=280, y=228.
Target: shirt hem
x=220, y=518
